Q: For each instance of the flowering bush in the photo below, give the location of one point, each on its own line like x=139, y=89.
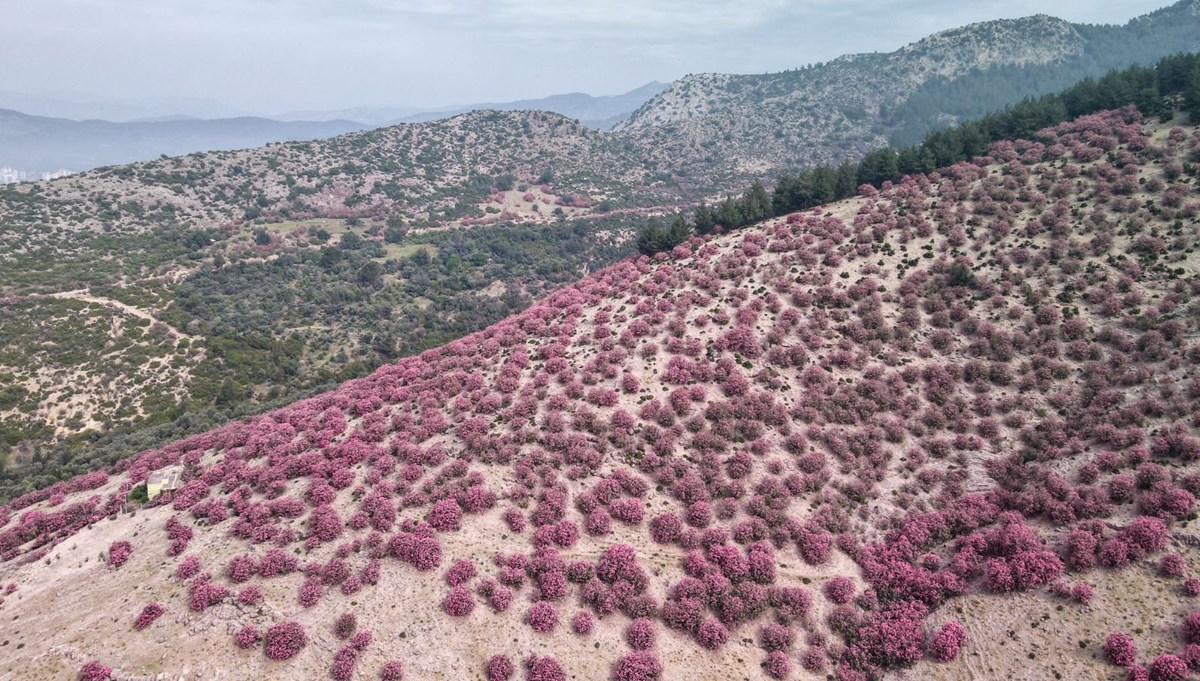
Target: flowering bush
x=284, y=640
x=712, y=634
x=543, y=617
x=393, y=670
x=582, y=622
x=246, y=637
x=119, y=552
x=637, y=666
x=205, y=594
x=251, y=595
x=947, y=642
x=544, y=669
x=445, y=516
x=839, y=590
x=344, y=663
x=94, y=671
x=773, y=637
x=345, y=625
x=1119, y=649
x=499, y=668
x=311, y=591
x=777, y=665
x=151, y=612
x=1168, y=667
x=188, y=568
x=459, y=602
x=1171, y=565
x=361, y=640
x=241, y=568
x=1191, y=627
x=461, y=572
x=640, y=634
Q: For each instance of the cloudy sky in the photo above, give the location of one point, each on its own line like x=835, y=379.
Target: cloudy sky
x=272, y=56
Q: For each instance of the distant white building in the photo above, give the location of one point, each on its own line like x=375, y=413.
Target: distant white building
x=10, y=175
x=61, y=172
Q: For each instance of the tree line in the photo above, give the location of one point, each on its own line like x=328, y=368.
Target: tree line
x=1172, y=84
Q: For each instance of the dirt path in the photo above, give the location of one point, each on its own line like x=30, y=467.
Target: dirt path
x=85, y=295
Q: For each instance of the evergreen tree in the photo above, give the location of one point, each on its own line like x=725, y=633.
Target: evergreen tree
x=704, y=219
x=756, y=204
x=729, y=214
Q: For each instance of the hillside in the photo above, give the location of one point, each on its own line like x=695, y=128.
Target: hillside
x=150, y=301
x=600, y=113
x=43, y=144
x=227, y=280
x=954, y=418
x=722, y=130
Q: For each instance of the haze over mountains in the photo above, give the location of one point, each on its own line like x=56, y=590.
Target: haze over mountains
x=34, y=143
x=720, y=129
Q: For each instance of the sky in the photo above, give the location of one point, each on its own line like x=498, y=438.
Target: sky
x=274, y=56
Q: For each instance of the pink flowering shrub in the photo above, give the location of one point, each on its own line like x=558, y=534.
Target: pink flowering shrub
x=119, y=552
x=893, y=637
x=947, y=642
x=251, y=595
x=459, y=602
x=1191, y=627
x=542, y=617
x=206, y=594
x=246, y=637
x=1191, y=586
x=311, y=592
x=582, y=622
x=94, y=671
x=1119, y=649
x=151, y=612
x=712, y=634
x=461, y=572
x=241, y=568
x=500, y=668
x=344, y=662
x=284, y=640
x=538, y=668
x=640, y=634
x=1171, y=565
x=345, y=625
x=666, y=528
x=445, y=516
x=393, y=670
x=773, y=637
x=839, y=590
x=1168, y=667
x=777, y=665
x=637, y=666
x=188, y=568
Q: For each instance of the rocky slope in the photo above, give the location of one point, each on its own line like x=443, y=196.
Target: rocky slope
x=718, y=129
x=947, y=427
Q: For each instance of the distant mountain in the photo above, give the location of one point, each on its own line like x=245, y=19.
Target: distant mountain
x=82, y=106
x=42, y=144
x=598, y=113
x=721, y=129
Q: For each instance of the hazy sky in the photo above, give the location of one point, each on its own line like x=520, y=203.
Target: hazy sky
x=271, y=56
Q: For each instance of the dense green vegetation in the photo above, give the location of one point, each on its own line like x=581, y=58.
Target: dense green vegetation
x=276, y=330
x=1172, y=84
x=1105, y=48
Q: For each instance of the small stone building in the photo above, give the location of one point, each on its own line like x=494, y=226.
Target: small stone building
x=165, y=480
